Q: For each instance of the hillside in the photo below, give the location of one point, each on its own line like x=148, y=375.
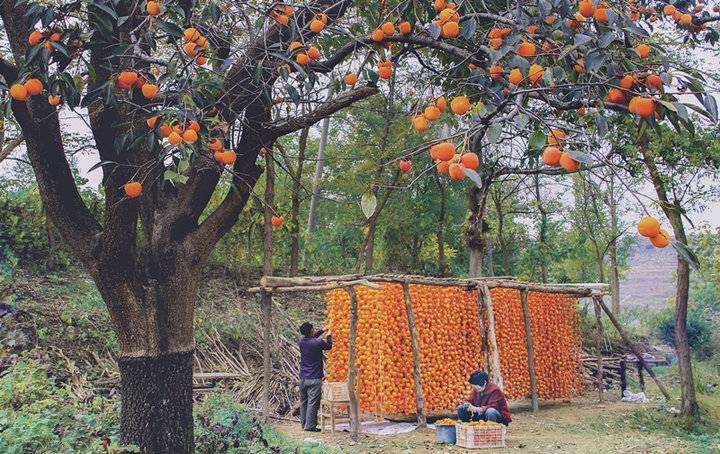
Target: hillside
x=650, y=280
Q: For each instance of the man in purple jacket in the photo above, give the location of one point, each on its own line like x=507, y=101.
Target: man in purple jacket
x=311, y=374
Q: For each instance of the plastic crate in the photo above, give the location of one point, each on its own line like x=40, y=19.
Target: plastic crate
x=335, y=391
x=479, y=437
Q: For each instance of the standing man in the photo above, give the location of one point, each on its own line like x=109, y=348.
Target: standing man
x=311, y=374
x=486, y=402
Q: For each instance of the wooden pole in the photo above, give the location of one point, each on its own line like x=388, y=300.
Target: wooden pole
x=266, y=298
x=530, y=351
x=415, y=343
x=599, y=346
x=626, y=339
x=623, y=378
x=266, y=307
x=483, y=334
x=352, y=373
x=497, y=373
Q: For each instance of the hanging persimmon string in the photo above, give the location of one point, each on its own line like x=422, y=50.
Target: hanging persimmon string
x=450, y=344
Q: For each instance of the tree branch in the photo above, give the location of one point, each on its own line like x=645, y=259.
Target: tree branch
x=325, y=110
x=479, y=58
x=203, y=238
x=14, y=143
x=41, y=129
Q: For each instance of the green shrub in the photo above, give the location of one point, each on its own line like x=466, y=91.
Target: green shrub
x=222, y=425
x=37, y=415
x=699, y=328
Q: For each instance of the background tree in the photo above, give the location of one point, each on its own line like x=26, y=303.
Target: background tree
x=680, y=169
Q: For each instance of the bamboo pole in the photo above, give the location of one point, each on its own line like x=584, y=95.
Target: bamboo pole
x=530, y=351
x=415, y=343
x=351, y=382
x=314, y=288
x=497, y=373
x=599, y=347
x=283, y=281
x=280, y=284
x=483, y=333
x=626, y=339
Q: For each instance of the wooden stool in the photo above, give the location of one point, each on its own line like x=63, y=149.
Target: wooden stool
x=334, y=394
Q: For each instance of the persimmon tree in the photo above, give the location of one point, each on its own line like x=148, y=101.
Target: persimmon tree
x=179, y=95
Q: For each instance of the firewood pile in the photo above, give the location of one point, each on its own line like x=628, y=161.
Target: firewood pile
x=611, y=371
x=246, y=367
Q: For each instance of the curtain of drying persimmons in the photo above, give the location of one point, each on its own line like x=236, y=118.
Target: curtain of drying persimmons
x=450, y=344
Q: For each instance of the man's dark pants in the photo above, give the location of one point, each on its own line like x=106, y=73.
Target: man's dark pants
x=310, y=393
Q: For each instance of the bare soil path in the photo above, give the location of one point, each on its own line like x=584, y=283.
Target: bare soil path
x=572, y=426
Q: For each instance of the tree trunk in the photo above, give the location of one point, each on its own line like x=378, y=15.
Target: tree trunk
x=497, y=200
x=295, y=208
x=156, y=405
x=490, y=257
x=542, y=230
x=612, y=250
x=673, y=210
x=442, y=261
x=266, y=299
x=476, y=231
x=368, y=246
x=314, y=199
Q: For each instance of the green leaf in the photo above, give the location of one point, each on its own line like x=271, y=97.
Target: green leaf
x=467, y=28
x=668, y=105
x=368, y=203
x=434, y=31
x=171, y=29
x=687, y=254
x=581, y=157
x=105, y=9
x=294, y=95
x=522, y=120
x=537, y=140
x=601, y=124
x=474, y=177
x=100, y=164
x=183, y=165
x=494, y=131
x=605, y=39
x=581, y=39
x=711, y=106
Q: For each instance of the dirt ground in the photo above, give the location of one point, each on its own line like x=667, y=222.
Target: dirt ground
x=573, y=426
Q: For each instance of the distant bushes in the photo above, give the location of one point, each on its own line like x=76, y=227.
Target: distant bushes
x=700, y=327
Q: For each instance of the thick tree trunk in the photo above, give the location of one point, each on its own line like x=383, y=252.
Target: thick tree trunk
x=156, y=409
x=673, y=210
